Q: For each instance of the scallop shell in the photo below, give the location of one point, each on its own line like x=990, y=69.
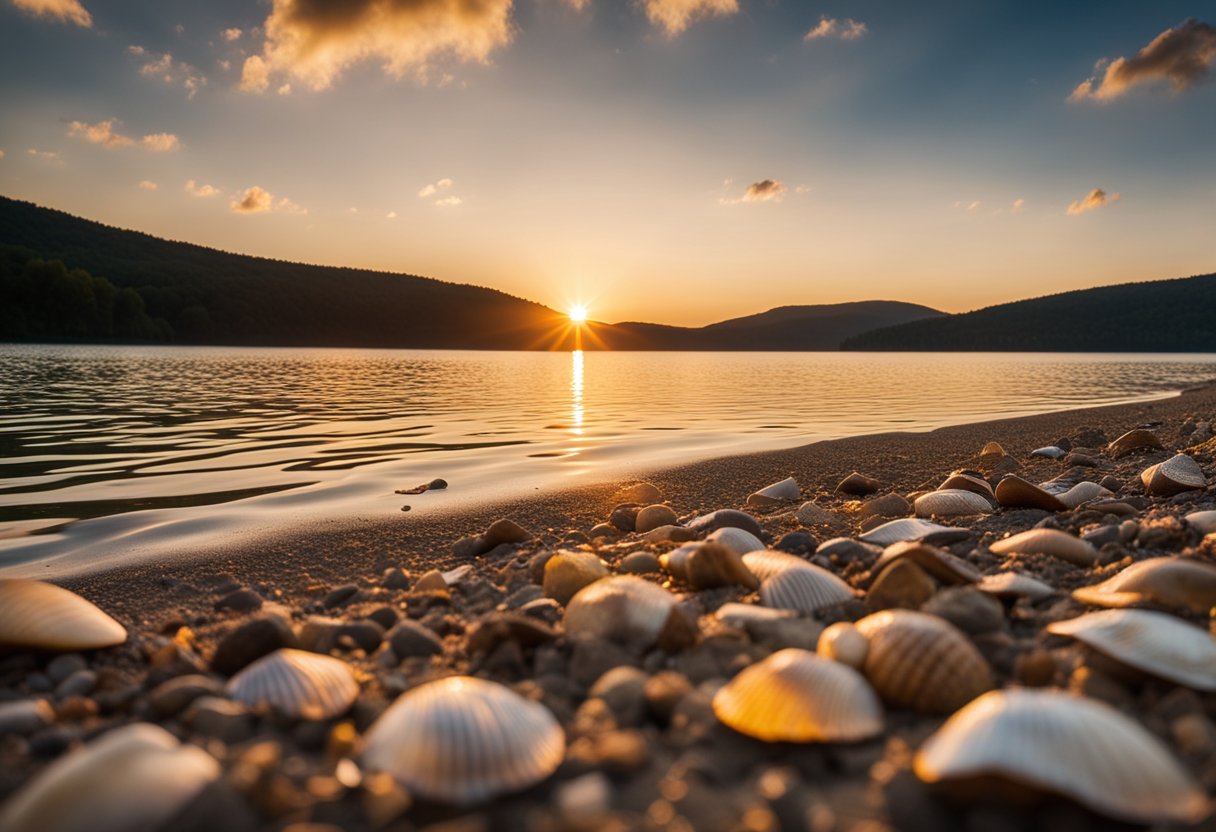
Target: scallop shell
x=708, y=565
x=569, y=571
x=951, y=502
x=922, y=662
x=843, y=642
x=1014, y=585
x=766, y=563
x=1084, y=492
x=779, y=492
x=1177, y=474
x=796, y=696
x=913, y=528
x=1132, y=441
x=297, y=684
x=1177, y=583
x=805, y=590
x=1048, y=542
x=1066, y=745
x=737, y=540
x=740, y=615
x=937, y=562
x=133, y=778
x=969, y=481
x=463, y=740
x=627, y=610
x=1015, y=492
x=1202, y=521
x=1155, y=642
x=43, y=616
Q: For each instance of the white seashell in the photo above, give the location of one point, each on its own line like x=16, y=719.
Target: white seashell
x=1013, y=585
x=953, y=502
x=1202, y=521
x=1177, y=474
x=993, y=449
x=806, y=589
x=1049, y=452
x=454, y=576
x=462, y=740
x=1155, y=642
x=795, y=696
x=740, y=615
x=43, y=616
x=844, y=643
x=1048, y=542
x=624, y=609
x=779, y=492
x=1084, y=492
x=1066, y=745
x=765, y=563
x=133, y=778
x=297, y=684
x=737, y=540
x=913, y=528
x=1177, y=583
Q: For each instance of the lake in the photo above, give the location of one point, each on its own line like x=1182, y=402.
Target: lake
x=140, y=450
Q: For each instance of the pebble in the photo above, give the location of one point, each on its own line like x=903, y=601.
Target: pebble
x=726, y=517
x=61, y=667
x=796, y=543
x=431, y=581
x=903, y=585
x=622, y=517
x=240, y=600
x=887, y=506
x=603, y=530
x=967, y=608
x=366, y=634
x=639, y=563
x=340, y=596
x=25, y=716
x=505, y=531
x=642, y=493
x=250, y=641
x=80, y=683
x=386, y=617
x=171, y=697
x=395, y=578
x=670, y=534
x=623, y=689
x=847, y=549
x=223, y=719
x=409, y=639
x=584, y=798
x=652, y=517
x=663, y=692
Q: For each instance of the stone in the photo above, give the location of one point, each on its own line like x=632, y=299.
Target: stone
x=25, y=716
x=223, y=719
x=505, y=531
x=663, y=692
x=642, y=493
x=1102, y=535
x=967, y=608
x=250, y=641
x=340, y=596
x=780, y=633
x=1035, y=668
x=432, y=581
x=858, y=485
x=810, y=515
x=603, y=530
x=796, y=543
x=395, y=578
x=171, y=698
x=724, y=517
x=623, y=516
x=61, y=667
x=240, y=600
x=592, y=658
x=366, y=634
x=639, y=563
x=670, y=534
x=584, y=798
x=386, y=617
x=652, y=517
x=887, y=506
x=80, y=683
x=847, y=549
x=902, y=585
x=409, y=639
x=623, y=689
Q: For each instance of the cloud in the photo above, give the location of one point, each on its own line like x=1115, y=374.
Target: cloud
x=160, y=142
x=148, y=185
x=65, y=11
x=257, y=200
x=314, y=41
x=830, y=27
x=170, y=71
x=449, y=201
x=434, y=188
x=101, y=132
x=391, y=215
x=765, y=190
x=1, y=154
x=51, y=156
x=1018, y=205
x=1182, y=55
x=674, y=16
x=195, y=189
x=1093, y=200
x=232, y=34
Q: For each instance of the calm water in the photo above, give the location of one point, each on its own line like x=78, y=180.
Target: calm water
x=111, y=452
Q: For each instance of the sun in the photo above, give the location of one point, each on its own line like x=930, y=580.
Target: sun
x=577, y=314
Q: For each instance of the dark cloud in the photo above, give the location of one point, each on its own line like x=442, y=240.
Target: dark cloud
x=1093, y=200
x=1182, y=55
x=764, y=191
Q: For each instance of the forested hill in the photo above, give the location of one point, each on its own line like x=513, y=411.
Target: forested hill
x=1156, y=316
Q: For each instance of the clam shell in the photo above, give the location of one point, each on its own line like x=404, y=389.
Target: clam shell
x=805, y=590
x=913, y=528
x=462, y=740
x=937, y=562
x=43, y=616
x=1066, y=745
x=1155, y=642
x=968, y=481
x=1048, y=542
x=740, y=615
x=133, y=778
x=737, y=540
x=795, y=696
x=951, y=502
x=709, y=565
x=1177, y=583
x=297, y=684
x=858, y=485
x=843, y=642
x=922, y=662
x=1014, y=585
x=993, y=449
x=624, y=609
x=765, y=563
x=1202, y=521
x=1132, y=441
x=1084, y=492
x=779, y=492
x=1177, y=474
x=726, y=518
x=569, y=571
x=1015, y=492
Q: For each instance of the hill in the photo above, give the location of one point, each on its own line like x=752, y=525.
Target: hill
x=1154, y=316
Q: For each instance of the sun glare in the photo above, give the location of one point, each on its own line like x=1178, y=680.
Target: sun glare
x=577, y=314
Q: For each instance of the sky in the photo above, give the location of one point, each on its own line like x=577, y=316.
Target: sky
x=676, y=161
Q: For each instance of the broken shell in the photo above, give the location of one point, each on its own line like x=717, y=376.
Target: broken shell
x=740, y=615
x=708, y=565
x=1014, y=585
x=844, y=643
x=939, y=563
x=1177, y=583
x=1048, y=542
x=1015, y=492
x=1177, y=474
x=462, y=740
x=922, y=662
x=1066, y=745
x=858, y=485
x=913, y=528
x=951, y=502
x=569, y=571
x=1154, y=642
x=133, y=778
x=779, y=492
x=968, y=481
x=1202, y=521
x=765, y=563
x=629, y=611
x=1132, y=441
x=805, y=589
x=796, y=696
x=1084, y=492
x=737, y=540
x=297, y=684
x=43, y=616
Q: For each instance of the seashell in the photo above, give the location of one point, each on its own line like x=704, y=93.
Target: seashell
x=779, y=492
x=630, y=611
x=740, y=615
x=968, y=481
x=1049, y=452
x=1048, y=542
x=1202, y=521
x=796, y=696
x=846, y=548
x=993, y=449
x=463, y=740
x=1177, y=583
x=1066, y=745
x=1139, y=439
x=569, y=571
x=1116, y=507
x=901, y=584
x=1014, y=585
x=1084, y=492
x=708, y=565
x=937, y=562
x=137, y=777
x=726, y=517
x=43, y=616
x=809, y=514
x=951, y=502
x=1015, y=492
x=913, y=528
x=432, y=581
x=843, y=642
x=297, y=684
x=737, y=540
x=652, y=517
x=858, y=485
x=766, y=563
x=455, y=576
x=1155, y=642
x=1177, y=474
x=922, y=662
x=805, y=589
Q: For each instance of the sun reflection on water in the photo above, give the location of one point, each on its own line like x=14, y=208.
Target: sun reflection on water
x=576, y=392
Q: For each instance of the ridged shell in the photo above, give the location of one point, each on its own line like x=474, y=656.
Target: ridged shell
x=968, y=481
x=1202, y=521
x=795, y=696
x=297, y=684
x=766, y=563
x=1177, y=583
x=939, y=563
x=1155, y=642
x=740, y=615
x=922, y=662
x=784, y=491
x=1015, y=492
x=1132, y=441
x=463, y=740
x=708, y=565
x=843, y=642
x=43, y=616
x=624, y=609
x=1014, y=585
x=1049, y=542
x=1066, y=745
x=569, y=571
x=805, y=590
x=951, y=502
x=913, y=528
x=133, y=778
x=1177, y=474
x=1084, y=492
x=737, y=540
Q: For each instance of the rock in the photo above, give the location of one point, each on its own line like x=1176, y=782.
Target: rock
x=25, y=716
x=1102, y=535
x=797, y=543
x=623, y=689
x=858, y=485
x=569, y=571
x=592, y=658
x=623, y=516
x=1080, y=460
x=902, y=585
x=887, y=506
x=811, y=515
x=339, y=596
x=724, y=517
x=171, y=698
x=780, y=633
x=603, y=530
x=652, y=517
x=545, y=609
x=80, y=683
x=670, y=534
x=61, y=667
x=642, y=493
x=1089, y=438
x=663, y=692
x=639, y=563
x=395, y=578
x=469, y=547
x=223, y=719
x=583, y=799
x=521, y=629
x=431, y=581
x=1036, y=668
x=241, y=600
x=409, y=639
x=1194, y=735
x=847, y=549
x=386, y=617
x=967, y=608
x=250, y=641
x=365, y=634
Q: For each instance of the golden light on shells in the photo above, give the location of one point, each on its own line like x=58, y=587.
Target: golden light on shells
x=298, y=684
x=47, y=617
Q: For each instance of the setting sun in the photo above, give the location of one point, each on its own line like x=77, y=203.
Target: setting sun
x=577, y=314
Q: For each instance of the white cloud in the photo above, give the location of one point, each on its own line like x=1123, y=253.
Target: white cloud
x=1093, y=200
x=842, y=29
x=1182, y=55
x=160, y=142
x=148, y=185
x=52, y=157
x=232, y=34
x=434, y=188
x=1018, y=205
x=100, y=132
x=391, y=215
x=449, y=201
x=169, y=71
x=257, y=200
x=64, y=11
x=203, y=191
x=674, y=16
